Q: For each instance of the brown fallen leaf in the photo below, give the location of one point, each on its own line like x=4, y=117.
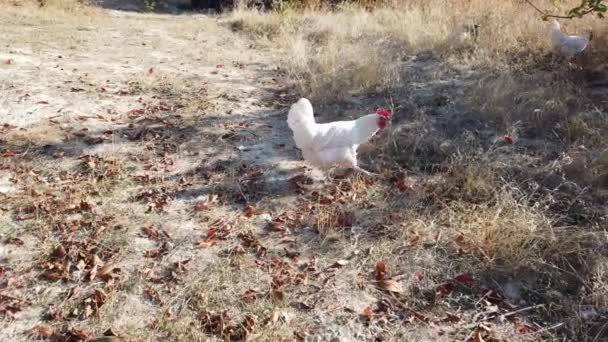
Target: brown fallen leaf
x=100, y=297
x=278, y=295
x=154, y=253
x=522, y=327
x=79, y=335
x=151, y=232
x=85, y=206
x=345, y=219
x=301, y=278
x=59, y=252
x=9, y=153
x=478, y=337
x=465, y=279
x=106, y=270
x=182, y=266
x=8, y=61
x=380, y=271
x=152, y=294
x=391, y=285
x=210, y=239
x=451, y=317
x=250, y=211
x=96, y=261
x=250, y=296
x=43, y=330
x=14, y=241
x=443, y=290
x=421, y=317
x=54, y=275
x=368, y=313
x=10, y=306
x=248, y=326
x=42, y=102
x=201, y=206
x=278, y=225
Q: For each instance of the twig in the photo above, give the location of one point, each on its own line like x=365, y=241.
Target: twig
x=503, y=316
x=546, y=15
x=549, y=328
x=508, y=314
x=536, y=8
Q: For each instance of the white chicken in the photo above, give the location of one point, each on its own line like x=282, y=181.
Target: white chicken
x=333, y=144
x=567, y=45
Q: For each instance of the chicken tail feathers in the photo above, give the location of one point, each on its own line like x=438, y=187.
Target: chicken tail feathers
x=300, y=113
x=301, y=120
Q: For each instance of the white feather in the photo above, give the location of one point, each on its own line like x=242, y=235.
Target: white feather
x=565, y=44
x=325, y=145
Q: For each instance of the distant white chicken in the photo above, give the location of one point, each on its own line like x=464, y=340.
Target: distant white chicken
x=333, y=144
x=568, y=46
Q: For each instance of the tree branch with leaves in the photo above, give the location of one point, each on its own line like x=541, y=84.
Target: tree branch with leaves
x=597, y=7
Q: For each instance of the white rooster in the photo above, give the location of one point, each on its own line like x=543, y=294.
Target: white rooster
x=567, y=45
x=333, y=144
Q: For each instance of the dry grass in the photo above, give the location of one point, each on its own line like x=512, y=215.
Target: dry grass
x=337, y=54
x=502, y=210
x=210, y=240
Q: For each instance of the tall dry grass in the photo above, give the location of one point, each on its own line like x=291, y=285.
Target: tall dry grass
x=335, y=54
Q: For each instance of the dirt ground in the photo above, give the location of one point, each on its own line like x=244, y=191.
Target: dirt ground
x=150, y=190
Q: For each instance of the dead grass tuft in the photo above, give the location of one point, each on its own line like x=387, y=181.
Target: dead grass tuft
x=467, y=180
x=507, y=230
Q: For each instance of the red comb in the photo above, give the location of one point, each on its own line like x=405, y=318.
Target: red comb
x=384, y=112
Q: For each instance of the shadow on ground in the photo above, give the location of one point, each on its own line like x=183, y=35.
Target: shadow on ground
x=250, y=160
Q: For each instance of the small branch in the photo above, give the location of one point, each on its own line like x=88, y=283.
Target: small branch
x=508, y=314
x=503, y=316
x=549, y=328
x=536, y=8
x=546, y=15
